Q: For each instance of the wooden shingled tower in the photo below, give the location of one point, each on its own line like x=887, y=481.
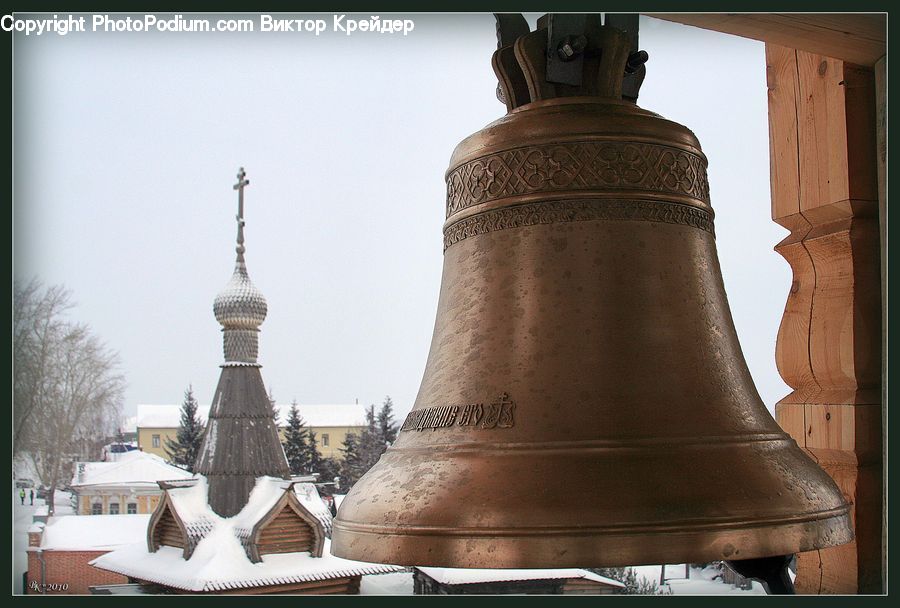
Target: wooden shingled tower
x=241, y=439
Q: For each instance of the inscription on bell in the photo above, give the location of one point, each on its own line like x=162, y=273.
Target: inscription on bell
x=499, y=414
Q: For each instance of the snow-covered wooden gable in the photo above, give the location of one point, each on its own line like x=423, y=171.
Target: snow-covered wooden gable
x=279, y=517
x=277, y=543
x=181, y=518
x=288, y=527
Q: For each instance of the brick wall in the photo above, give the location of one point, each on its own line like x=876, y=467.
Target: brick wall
x=70, y=569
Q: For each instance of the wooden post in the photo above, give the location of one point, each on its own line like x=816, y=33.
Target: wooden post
x=825, y=191
x=881, y=159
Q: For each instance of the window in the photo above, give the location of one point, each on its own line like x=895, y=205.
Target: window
x=325, y=440
x=132, y=508
x=156, y=441
x=113, y=508
x=97, y=509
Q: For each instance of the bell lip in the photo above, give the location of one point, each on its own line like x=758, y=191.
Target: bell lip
x=581, y=550
x=562, y=119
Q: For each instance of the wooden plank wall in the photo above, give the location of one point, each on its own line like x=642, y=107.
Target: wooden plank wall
x=167, y=531
x=825, y=191
x=857, y=37
x=285, y=533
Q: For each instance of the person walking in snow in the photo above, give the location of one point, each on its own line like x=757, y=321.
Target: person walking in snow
x=31, y=495
x=22, y=495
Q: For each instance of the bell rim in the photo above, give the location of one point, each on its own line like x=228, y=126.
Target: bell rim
x=647, y=546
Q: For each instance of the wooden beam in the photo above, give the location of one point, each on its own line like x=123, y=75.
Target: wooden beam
x=856, y=38
x=881, y=159
x=825, y=191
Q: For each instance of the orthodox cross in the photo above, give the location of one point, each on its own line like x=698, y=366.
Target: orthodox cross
x=242, y=182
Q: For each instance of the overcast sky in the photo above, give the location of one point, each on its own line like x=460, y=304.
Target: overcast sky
x=127, y=146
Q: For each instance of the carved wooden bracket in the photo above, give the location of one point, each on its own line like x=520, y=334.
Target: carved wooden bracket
x=824, y=190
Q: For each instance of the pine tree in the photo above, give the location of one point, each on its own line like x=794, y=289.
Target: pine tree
x=296, y=447
x=370, y=444
x=329, y=468
x=362, y=451
x=351, y=463
x=387, y=428
x=633, y=584
x=274, y=407
x=184, y=450
x=313, y=458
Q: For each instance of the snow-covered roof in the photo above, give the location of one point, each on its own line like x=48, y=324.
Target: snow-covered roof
x=467, y=576
x=93, y=532
x=219, y=563
x=189, y=501
x=132, y=469
x=319, y=415
x=219, y=560
x=309, y=497
x=394, y=583
x=164, y=416
x=37, y=526
x=314, y=415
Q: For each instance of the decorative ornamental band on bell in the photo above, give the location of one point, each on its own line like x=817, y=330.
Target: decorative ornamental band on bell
x=240, y=307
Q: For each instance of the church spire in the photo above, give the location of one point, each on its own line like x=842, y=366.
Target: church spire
x=241, y=440
x=240, y=307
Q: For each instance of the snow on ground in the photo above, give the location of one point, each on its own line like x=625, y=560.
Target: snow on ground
x=700, y=582
x=22, y=518
x=395, y=583
x=21, y=521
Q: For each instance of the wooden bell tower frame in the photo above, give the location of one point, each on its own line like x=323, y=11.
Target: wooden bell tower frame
x=826, y=79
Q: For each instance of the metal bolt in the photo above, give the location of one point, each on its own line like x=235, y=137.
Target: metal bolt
x=571, y=47
x=635, y=61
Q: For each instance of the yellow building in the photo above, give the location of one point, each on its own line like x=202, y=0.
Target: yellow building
x=154, y=424
x=126, y=485
x=330, y=423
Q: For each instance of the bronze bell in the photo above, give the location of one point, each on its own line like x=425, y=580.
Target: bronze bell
x=585, y=401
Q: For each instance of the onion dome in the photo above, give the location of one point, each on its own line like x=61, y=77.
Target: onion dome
x=240, y=305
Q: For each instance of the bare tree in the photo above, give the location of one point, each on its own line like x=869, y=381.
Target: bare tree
x=67, y=388
x=37, y=325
